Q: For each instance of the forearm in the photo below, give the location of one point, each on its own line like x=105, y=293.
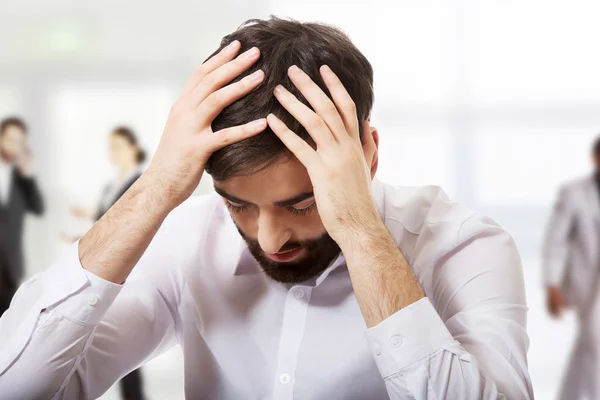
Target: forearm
x=116, y=242
x=382, y=279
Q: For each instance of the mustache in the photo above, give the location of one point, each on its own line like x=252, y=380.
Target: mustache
x=288, y=246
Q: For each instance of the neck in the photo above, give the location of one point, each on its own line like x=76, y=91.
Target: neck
x=126, y=169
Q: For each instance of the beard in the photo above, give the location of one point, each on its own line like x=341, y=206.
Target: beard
x=318, y=254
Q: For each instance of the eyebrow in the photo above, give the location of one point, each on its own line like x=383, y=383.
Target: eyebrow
x=284, y=203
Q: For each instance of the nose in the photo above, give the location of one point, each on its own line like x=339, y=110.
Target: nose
x=272, y=233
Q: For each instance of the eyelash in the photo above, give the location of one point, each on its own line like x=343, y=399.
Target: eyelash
x=295, y=211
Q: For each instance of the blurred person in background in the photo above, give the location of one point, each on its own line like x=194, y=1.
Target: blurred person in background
x=571, y=263
x=128, y=157
x=19, y=194
x=302, y=277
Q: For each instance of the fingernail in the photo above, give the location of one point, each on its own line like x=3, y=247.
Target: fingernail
x=254, y=77
x=259, y=124
x=293, y=70
x=278, y=90
x=233, y=45
x=250, y=53
x=325, y=68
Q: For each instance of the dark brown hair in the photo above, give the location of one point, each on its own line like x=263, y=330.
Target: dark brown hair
x=131, y=138
x=12, y=121
x=284, y=43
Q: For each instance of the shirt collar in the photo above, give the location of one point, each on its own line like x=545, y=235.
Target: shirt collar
x=247, y=265
x=5, y=165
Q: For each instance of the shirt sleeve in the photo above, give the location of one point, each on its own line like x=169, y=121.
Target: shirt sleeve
x=467, y=339
x=556, y=240
x=77, y=334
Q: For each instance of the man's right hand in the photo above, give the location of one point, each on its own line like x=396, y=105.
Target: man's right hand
x=188, y=139
x=555, y=301
x=114, y=245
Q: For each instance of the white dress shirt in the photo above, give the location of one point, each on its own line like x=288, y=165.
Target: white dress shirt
x=6, y=175
x=71, y=335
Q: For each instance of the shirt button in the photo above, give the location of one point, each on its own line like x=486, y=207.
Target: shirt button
x=377, y=348
x=93, y=300
x=285, y=379
x=396, y=341
x=299, y=293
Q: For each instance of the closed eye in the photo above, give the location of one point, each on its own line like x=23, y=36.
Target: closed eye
x=236, y=207
x=301, y=209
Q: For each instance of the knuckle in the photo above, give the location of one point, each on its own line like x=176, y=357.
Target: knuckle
x=200, y=71
x=330, y=108
x=350, y=106
x=316, y=123
x=214, y=100
x=209, y=80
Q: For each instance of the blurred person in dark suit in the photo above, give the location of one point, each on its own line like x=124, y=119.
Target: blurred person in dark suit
x=19, y=194
x=571, y=262
x=127, y=155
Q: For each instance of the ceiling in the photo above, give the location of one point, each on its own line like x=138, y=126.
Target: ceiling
x=134, y=34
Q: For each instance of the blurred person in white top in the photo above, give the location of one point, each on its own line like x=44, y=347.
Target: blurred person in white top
x=571, y=262
x=304, y=277
x=128, y=157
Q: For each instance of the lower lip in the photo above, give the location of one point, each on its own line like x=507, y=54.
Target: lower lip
x=286, y=257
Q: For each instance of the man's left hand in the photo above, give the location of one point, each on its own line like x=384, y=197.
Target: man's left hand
x=339, y=173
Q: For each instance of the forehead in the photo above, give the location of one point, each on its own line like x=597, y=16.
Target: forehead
x=14, y=132
x=117, y=139
x=281, y=181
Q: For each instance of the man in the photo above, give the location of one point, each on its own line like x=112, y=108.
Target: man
x=273, y=299
x=571, y=274
x=19, y=194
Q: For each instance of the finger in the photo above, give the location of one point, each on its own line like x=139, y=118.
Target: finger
x=227, y=54
x=224, y=74
x=217, y=101
x=293, y=142
x=319, y=101
x=368, y=143
x=343, y=102
x=228, y=136
x=314, y=125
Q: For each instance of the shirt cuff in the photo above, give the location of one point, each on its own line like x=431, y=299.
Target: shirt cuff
x=77, y=293
x=553, y=275
x=411, y=334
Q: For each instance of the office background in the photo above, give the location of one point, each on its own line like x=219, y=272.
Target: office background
x=497, y=102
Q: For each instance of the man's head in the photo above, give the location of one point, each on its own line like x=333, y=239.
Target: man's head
x=13, y=132
x=267, y=190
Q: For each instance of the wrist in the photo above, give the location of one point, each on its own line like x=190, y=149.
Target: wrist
x=150, y=189
x=365, y=235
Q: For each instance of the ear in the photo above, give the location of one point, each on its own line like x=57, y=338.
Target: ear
x=370, y=144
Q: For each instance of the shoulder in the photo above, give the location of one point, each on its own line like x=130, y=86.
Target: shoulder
x=181, y=236
x=415, y=208
x=427, y=226
x=577, y=184
x=194, y=215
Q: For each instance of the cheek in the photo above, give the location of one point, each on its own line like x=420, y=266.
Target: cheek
x=305, y=227
x=308, y=226
x=247, y=222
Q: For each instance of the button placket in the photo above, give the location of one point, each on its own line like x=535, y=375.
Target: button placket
x=292, y=332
